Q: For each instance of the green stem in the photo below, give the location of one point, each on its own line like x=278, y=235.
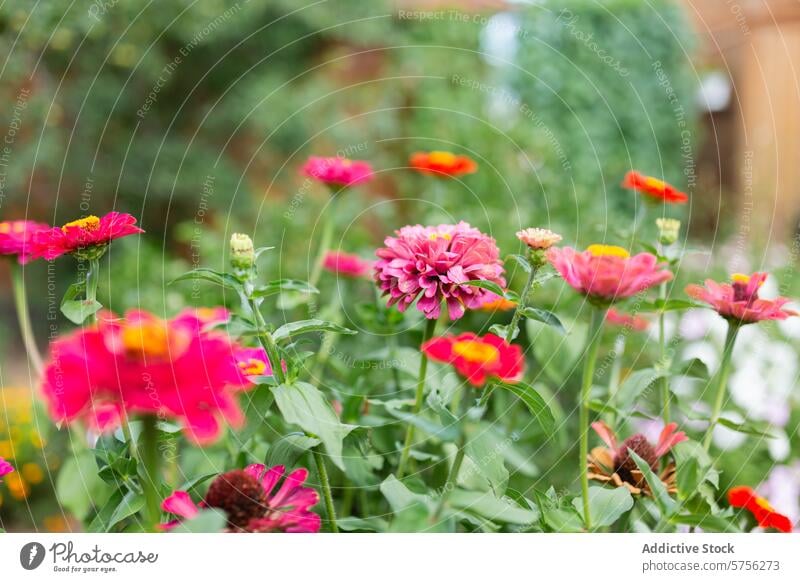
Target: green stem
x=24, y=318
x=430, y=326
x=92, y=279
x=150, y=460
x=268, y=343
x=590, y=355
x=722, y=381
x=614, y=377
x=452, y=478
x=325, y=484
x=325, y=241
x=662, y=342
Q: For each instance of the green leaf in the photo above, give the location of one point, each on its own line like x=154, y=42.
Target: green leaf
x=665, y=503
x=210, y=276
x=78, y=487
x=560, y=519
x=288, y=330
x=131, y=504
x=662, y=305
x=688, y=477
x=447, y=433
x=286, y=450
x=207, y=521
x=304, y=405
x=706, y=521
x=486, y=504
x=521, y=261
x=536, y=404
x=635, y=384
x=748, y=427
x=546, y=317
x=281, y=285
x=486, y=459
x=606, y=504
x=78, y=310
x=488, y=286
x=556, y=353
x=375, y=524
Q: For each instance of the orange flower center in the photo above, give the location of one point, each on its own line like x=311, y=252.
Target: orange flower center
x=608, y=251
x=205, y=313
x=442, y=158
x=253, y=367
x=476, y=352
x=655, y=183
x=89, y=223
x=764, y=504
x=146, y=338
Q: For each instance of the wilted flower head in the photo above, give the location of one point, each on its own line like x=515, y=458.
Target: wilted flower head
x=762, y=511
x=144, y=365
x=654, y=188
x=539, y=239
x=626, y=320
x=615, y=466
x=16, y=238
x=738, y=301
x=606, y=273
x=433, y=263
x=346, y=264
x=85, y=238
x=668, y=230
x=5, y=467
x=337, y=171
x=253, y=502
x=478, y=358
x=442, y=164
x=243, y=254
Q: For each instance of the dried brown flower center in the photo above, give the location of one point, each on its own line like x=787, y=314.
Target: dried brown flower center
x=624, y=465
x=239, y=495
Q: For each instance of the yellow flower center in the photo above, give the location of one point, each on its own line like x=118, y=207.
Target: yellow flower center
x=88, y=223
x=476, y=352
x=740, y=278
x=253, y=367
x=764, y=504
x=655, y=183
x=146, y=338
x=442, y=158
x=438, y=235
x=5, y=227
x=608, y=251
x=205, y=313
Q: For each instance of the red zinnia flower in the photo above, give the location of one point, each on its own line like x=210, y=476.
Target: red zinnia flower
x=443, y=164
x=16, y=238
x=739, y=301
x=346, y=264
x=253, y=502
x=626, y=320
x=478, y=358
x=84, y=236
x=145, y=365
x=654, y=188
x=337, y=171
x=5, y=467
x=765, y=514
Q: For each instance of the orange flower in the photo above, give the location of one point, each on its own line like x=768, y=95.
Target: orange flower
x=443, y=164
x=498, y=304
x=654, y=188
x=765, y=514
x=478, y=358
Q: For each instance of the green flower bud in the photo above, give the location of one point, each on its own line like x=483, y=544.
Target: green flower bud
x=668, y=230
x=243, y=255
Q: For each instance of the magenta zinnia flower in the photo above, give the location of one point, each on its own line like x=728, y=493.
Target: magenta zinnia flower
x=16, y=238
x=739, y=301
x=253, y=502
x=5, y=468
x=346, y=264
x=85, y=236
x=145, y=365
x=337, y=171
x=606, y=273
x=433, y=263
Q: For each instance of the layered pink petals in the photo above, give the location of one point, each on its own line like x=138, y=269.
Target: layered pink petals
x=669, y=438
x=82, y=234
x=346, y=264
x=16, y=238
x=608, y=277
x=433, y=263
x=337, y=171
x=284, y=507
x=144, y=365
x=5, y=467
x=478, y=358
x=739, y=301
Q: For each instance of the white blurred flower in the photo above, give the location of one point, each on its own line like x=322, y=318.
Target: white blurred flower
x=782, y=489
x=779, y=447
x=727, y=439
x=790, y=327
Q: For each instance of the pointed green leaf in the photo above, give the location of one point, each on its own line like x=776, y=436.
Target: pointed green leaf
x=289, y=330
x=536, y=404
x=606, y=504
x=281, y=285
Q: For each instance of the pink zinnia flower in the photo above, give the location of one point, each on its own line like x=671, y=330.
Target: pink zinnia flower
x=626, y=320
x=739, y=301
x=337, y=171
x=16, y=238
x=253, y=502
x=145, y=365
x=606, y=273
x=84, y=235
x=346, y=264
x=478, y=358
x=5, y=467
x=433, y=263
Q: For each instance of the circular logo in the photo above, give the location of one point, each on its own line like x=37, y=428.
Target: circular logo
x=31, y=555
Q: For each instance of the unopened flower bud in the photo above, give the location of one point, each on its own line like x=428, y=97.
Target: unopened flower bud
x=538, y=241
x=243, y=255
x=668, y=230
